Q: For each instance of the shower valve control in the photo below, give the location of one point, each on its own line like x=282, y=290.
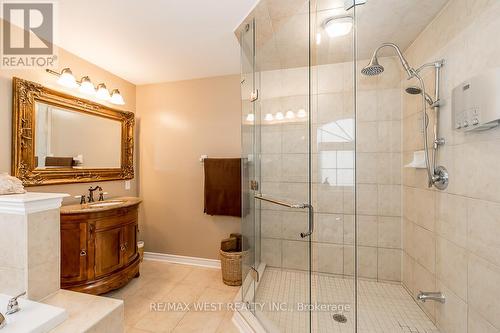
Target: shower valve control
x=476, y=102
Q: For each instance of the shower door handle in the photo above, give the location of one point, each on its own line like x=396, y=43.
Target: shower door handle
x=295, y=206
x=311, y=223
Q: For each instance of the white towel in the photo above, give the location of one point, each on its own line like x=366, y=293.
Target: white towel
x=10, y=185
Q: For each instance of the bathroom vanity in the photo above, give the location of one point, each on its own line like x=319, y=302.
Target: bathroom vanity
x=99, y=245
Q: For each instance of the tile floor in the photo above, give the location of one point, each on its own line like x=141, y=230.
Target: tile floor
x=382, y=307
x=172, y=283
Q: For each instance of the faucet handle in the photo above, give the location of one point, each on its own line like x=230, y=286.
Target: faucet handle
x=13, y=305
x=101, y=195
x=16, y=297
x=81, y=197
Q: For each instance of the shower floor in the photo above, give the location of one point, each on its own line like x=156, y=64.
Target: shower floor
x=382, y=307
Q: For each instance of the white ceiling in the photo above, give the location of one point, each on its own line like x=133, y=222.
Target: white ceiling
x=154, y=41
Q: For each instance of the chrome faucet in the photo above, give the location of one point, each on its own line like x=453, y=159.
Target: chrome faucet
x=91, y=193
x=431, y=296
x=13, y=305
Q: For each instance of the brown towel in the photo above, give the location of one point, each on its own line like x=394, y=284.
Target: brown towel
x=223, y=186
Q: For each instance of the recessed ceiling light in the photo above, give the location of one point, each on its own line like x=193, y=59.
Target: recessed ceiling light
x=338, y=26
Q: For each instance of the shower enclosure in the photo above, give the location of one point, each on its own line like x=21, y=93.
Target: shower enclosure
x=322, y=173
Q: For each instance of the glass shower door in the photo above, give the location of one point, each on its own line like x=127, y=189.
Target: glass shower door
x=283, y=200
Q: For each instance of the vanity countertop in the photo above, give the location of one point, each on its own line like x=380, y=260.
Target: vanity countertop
x=99, y=206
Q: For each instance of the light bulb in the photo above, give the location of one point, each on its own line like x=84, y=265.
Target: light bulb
x=301, y=113
x=340, y=26
x=67, y=79
x=250, y=117
x=102, y=92
x=116, y=97
x=268, y=117
x=279, y=116
x=318, y=38
x=86, y=86
x=289, y=114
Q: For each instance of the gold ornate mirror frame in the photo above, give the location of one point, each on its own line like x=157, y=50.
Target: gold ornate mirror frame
x=25, y=96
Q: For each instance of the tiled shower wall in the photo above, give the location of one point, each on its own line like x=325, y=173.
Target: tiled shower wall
x=285, y=170
x=452, y=238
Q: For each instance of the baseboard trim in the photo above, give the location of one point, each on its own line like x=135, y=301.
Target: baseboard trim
x=183, y=260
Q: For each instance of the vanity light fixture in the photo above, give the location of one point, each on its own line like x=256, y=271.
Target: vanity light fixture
x=102, y=92
x=289, y=114
x=269, y=117
x=250, y=117
x=279, y=116
x=67, y=79
x=85, y=86
x=116, y=97
x=338, y=26
x=301, y=113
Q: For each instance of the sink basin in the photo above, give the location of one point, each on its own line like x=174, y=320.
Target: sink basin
x=33, y=317
x=105, y=203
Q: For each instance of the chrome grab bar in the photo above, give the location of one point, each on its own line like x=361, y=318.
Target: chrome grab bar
x=295, y=206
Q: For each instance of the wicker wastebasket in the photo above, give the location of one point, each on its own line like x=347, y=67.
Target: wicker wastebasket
x=231, y=267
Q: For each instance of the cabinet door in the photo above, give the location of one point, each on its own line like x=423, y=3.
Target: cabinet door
x=129, y=241
x=73, y=252
x=108, y=248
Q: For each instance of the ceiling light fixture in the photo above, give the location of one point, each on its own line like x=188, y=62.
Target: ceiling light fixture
x=301, y=113
x=279, y=116
x=338, y=26
x=289, y=114
x=269, y=117
x=85, y=86
x=250, y=117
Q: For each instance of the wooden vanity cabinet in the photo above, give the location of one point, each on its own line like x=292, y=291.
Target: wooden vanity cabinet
x=99, y=249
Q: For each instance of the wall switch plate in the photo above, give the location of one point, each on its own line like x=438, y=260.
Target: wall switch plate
x=127, y=184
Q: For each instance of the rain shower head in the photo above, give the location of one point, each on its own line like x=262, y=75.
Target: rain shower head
x=413, y=90
x=373, y=68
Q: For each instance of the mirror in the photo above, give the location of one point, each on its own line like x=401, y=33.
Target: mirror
x=58, y=138
x=69, y=139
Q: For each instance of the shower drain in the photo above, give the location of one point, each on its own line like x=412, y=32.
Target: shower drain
x=340, y=318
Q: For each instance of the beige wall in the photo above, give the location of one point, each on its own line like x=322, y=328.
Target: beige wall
x=452, y=237
x=180, y=121
x=80, y=68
